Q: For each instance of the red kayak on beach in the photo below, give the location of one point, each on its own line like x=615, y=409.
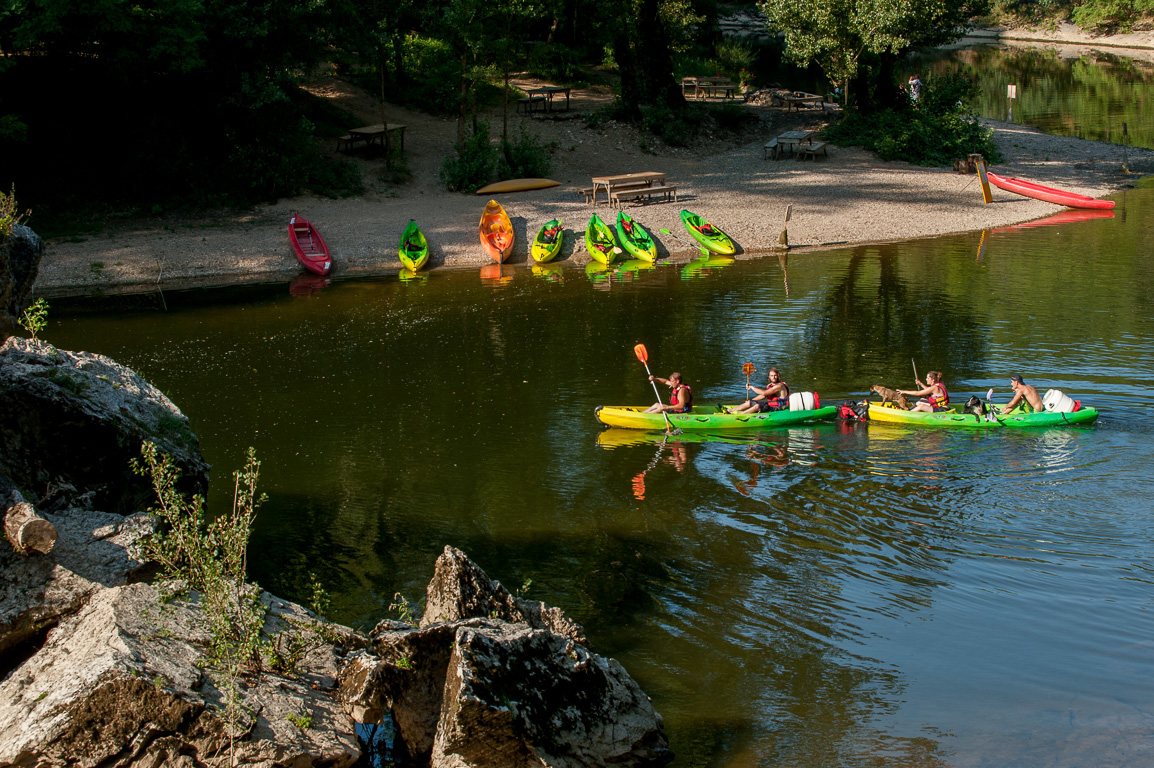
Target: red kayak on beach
x=309, y=247
x=1049, y=194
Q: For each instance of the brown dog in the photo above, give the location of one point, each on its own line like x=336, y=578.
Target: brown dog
x=891, y=395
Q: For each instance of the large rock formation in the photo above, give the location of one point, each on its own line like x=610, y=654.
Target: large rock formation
x=20, y=255
x=484, y=689
x=76, y=419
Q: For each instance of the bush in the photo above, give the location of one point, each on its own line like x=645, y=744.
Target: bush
x=434, y=73
x=677, y=129
x=472, y=167
x=555, y=62
x=937, y=131
x=525, y=158
x=734, y=55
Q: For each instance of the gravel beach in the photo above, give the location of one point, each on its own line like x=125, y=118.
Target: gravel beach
x=849, y=197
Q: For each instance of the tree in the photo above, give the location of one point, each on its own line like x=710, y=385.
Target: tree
x=838, y=34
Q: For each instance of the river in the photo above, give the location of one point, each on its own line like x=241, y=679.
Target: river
x=843, y=594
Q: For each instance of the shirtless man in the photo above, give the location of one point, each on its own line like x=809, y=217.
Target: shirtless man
x=680, y=399
x=1022, y=391
x=774, y=397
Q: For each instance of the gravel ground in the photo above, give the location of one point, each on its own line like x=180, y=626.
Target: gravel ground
x=849, y=197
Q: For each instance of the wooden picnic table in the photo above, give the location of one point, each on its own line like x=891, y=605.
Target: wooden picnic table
x=547, y=92
x=706, y=86
x=792, y=138
x=373, y=133
x=632, y=180
x=798, y=98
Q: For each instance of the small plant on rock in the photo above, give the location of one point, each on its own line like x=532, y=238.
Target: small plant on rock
x=35, y=318
x=10, y=215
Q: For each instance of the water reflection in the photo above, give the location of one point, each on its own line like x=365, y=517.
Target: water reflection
x=409, y=276
x=705, y=266
x=307, y=284
x=554, y=273
x=497, y=275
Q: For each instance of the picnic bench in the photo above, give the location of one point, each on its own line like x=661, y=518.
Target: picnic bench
x=771, y=149
x=797, y=98
x=370, y=134
x=634, y=194
x=811, y=150
x=704, y=87
x=626, y=182
x=543, y=97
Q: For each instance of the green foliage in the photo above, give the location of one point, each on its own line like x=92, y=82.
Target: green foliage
x=405, y=610
x=210, y=556
x=937, y=132
x=527, y=157
x=304, y=722
x=677, y=129
x=10, y=215
x=34, y=318
x=556, y=63
x=735, y=55
x=472, y=166
x=1104, y=16
x=433, y=72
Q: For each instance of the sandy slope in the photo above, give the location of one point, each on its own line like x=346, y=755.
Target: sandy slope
x=849, y=197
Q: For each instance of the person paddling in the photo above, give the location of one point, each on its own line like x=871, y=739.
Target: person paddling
x=1022, y=391
x=774, y=397
x=680, y=399
x=934, y=394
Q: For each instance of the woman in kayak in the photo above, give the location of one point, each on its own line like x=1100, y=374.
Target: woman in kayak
x=774, y=397
x=934, y=396
x=680, y=399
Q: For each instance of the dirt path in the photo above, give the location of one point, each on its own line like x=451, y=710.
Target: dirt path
x=849, y=197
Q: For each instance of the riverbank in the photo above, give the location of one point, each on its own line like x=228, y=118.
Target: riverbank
x=849, y=197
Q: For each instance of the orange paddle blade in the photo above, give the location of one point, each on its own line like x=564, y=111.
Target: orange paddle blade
x=748, y=368
x=641, y=352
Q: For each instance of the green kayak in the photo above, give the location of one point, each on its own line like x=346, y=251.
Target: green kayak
x=599, y=240
x=706, y=417
x=708, y=235
x=547, y=243
x=635, y=238
x=888, y=413
x=414, y=249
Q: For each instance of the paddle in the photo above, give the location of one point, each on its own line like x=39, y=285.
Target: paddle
x=675, y=237
x=643, y=355
x=917, y=381
x=747, y=369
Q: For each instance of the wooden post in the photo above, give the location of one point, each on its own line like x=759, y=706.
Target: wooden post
x=26, y=530
x=783, y=240
x=987, y=195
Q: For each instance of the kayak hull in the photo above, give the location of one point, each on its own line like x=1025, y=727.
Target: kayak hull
x=635, y=238
x=888, y=413
x=414, y=249
x=496, y=232
x=599, y=240
x=1048, y=194
x=706, y=418
x=714, y=240
x=517, y=185
x=544, y=250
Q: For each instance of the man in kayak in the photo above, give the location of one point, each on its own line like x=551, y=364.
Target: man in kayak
x=680, y=399
x=934, y=396
x=1022, y=391
x=774, y=397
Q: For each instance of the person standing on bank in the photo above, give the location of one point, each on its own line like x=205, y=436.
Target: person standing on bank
x=680, y=399
x=915, y=87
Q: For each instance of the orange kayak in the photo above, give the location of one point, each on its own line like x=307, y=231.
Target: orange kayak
x=496, y=231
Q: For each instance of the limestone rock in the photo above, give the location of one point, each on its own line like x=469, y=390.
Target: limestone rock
x=119, y=685
x=459, y=589
x=20, y=255
x=516, y=696
x=78, y=418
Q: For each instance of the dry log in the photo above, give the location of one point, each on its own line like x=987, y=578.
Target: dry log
x=28, y=531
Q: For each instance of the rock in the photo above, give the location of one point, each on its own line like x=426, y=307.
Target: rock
x=27, y=532
x=482, y=690
x=119, y=684
x=461, y=590
x=20, y=255
x=516, y=696
x=79, y=418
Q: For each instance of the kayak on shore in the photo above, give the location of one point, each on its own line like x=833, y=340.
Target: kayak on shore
x=708, y=235
x=635, y=238
x=1048, y=194
x=706, y=417
x=496, y=232
x=547, y=243
x=414, y=249
x=599, y=241
x=889, y=413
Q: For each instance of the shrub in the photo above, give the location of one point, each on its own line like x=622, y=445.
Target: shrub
x=472, y=167
x=525, y=158
x=10, y=215
x=555, y=62
x=734, y=55
x=937, y=131
x=434, y=73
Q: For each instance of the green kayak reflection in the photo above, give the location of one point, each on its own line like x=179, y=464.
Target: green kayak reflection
x=704, y=267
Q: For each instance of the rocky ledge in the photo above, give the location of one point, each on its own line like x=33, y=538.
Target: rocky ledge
x=100, y=667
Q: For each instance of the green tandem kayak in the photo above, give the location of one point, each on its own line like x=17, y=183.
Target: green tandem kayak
x=888, y=413
x=635, y=238
x=706, y=417
x=599, y=240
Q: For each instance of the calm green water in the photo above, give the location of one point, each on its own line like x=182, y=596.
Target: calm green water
x=854, y=595
x=1090, y=96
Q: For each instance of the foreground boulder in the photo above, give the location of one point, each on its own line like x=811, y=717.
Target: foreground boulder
x=480, y=690
x=121, y=684
x=76, y=419
x=20, y=255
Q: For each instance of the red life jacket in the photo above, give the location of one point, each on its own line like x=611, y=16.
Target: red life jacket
x=782, y=399
x=940, y=401
x=688, y=400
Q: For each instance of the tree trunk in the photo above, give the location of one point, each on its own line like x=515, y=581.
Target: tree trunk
x=656, y=58
x=384, y=122
x=630, y=89
x=27, y=531
x=461, y=97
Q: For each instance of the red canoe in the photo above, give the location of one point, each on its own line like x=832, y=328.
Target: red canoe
x=309, y=246
x=1049, y=194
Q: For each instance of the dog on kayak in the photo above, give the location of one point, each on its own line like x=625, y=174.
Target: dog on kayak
x=891, y=396
x=975, y=406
